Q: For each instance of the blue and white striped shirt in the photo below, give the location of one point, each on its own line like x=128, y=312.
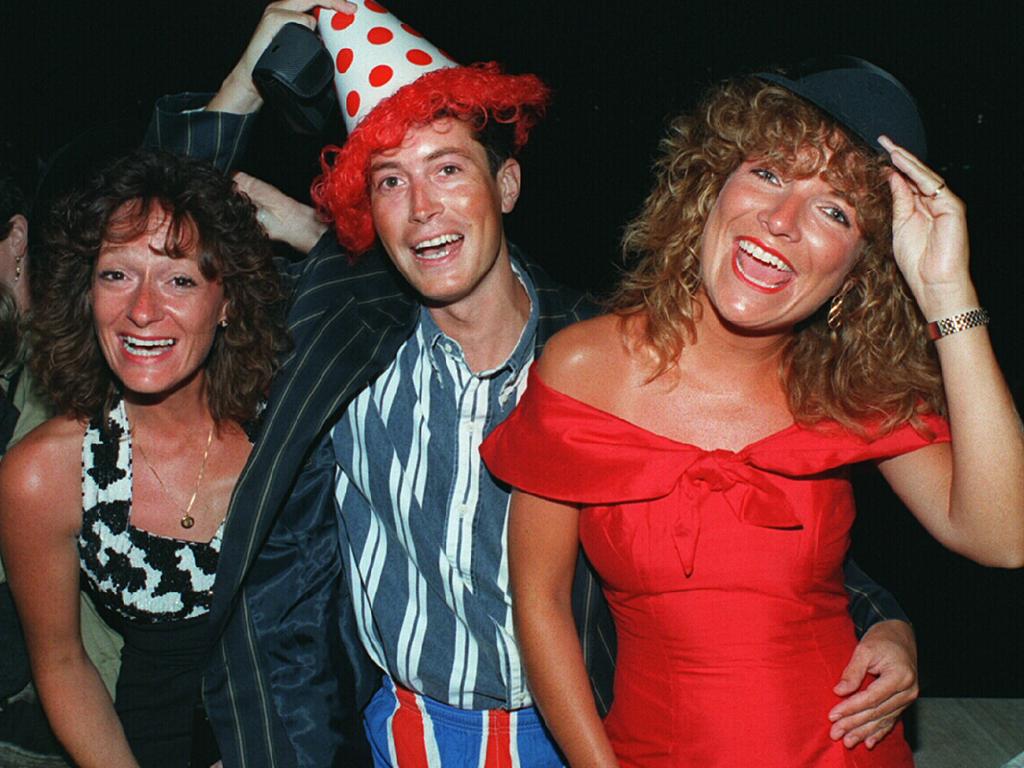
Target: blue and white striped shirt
x=424, y=525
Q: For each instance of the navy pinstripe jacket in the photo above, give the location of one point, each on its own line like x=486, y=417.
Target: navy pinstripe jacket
x=288, y=677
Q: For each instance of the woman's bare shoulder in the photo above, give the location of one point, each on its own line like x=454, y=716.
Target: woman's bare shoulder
x=579, y=357
x=59, y=433
x=43, y=471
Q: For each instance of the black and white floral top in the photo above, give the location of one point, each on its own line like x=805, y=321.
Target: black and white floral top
x=142, y=576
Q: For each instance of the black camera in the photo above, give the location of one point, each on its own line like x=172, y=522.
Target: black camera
x=294, y=76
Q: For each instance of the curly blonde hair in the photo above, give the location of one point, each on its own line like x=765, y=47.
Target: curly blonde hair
x=878, y=365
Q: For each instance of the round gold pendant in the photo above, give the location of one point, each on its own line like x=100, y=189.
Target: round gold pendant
x=187, y=521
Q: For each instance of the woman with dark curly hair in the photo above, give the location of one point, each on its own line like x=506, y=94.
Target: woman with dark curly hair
x=799, y=301
x=157, y=338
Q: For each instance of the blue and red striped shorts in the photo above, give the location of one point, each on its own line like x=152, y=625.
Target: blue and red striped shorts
x=408, y=730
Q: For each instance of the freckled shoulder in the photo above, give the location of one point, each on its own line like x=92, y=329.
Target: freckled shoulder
x=582, y=359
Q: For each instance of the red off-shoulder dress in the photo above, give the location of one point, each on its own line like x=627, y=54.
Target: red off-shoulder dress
x=724, y=573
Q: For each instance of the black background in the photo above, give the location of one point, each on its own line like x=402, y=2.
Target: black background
x=89, y=72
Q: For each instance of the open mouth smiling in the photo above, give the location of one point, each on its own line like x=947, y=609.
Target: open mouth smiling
x=436, y=247
x=762, y=267
x=139, y=347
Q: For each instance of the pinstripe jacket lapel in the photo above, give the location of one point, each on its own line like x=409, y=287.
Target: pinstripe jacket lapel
x=347, y=321
x=280, y=584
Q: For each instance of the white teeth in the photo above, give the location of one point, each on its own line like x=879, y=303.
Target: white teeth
x=432, y=256
x=146, y=347
x=762, y=255
x=436, y=241
x=148, y=342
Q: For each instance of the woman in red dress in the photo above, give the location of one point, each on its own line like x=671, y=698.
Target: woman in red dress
x=800, y=301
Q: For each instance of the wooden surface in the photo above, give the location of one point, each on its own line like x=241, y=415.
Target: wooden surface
x=967, y=733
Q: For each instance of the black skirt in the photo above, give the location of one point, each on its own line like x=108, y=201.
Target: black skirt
x=159, y=692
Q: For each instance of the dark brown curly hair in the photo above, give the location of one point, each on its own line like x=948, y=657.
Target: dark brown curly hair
x=206, y=214
x=878, y=365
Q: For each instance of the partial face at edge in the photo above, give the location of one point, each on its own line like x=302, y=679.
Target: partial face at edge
x=774, y=249
x=437, y=209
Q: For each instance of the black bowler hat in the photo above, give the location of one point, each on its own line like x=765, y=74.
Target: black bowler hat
x=863, y=98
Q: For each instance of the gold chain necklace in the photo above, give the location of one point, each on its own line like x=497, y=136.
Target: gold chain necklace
x=187, y=521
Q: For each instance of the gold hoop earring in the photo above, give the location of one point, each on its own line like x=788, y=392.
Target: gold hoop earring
x=835, y=309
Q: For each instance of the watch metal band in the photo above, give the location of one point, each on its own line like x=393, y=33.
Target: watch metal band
x=972, y=318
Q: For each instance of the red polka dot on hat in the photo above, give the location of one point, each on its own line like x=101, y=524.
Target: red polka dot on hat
x=374, y=54
x=380, y=75
x=380, y=35
x=352, y=103
x=342, y=20
x=344, y=59
x=416, y=56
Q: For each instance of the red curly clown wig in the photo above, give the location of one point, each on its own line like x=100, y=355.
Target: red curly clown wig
x=476, y=94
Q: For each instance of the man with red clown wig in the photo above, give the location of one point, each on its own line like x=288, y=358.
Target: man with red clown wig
x=364, y=566
x=430, y=171
x=480, y=96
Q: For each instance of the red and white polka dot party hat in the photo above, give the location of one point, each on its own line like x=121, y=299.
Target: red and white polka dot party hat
x=375, y=54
